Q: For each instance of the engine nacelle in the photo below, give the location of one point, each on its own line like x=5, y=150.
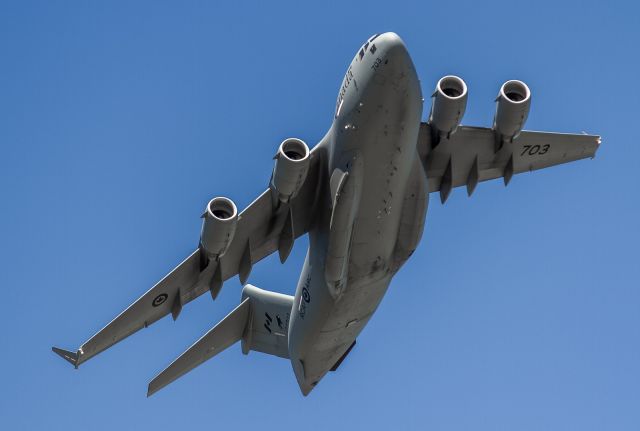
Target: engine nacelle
x=290, y=170
x=448, y=106
x=512, y=110
x=218, y=226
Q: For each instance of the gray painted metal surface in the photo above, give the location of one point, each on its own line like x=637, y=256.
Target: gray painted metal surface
x=362, y=196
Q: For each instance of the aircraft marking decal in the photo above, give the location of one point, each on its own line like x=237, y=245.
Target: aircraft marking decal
x=532, y=150
x=159, y=300
x=305, y=297
x=268, y=320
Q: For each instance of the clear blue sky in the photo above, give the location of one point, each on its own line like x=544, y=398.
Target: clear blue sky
x=119, y=120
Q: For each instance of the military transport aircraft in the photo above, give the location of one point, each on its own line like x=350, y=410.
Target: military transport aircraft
x=361, y=194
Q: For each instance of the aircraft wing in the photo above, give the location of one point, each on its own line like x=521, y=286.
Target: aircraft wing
x=470, y=155
x=262, y=229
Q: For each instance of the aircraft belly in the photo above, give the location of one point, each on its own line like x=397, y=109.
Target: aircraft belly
x=328, y=324
x=388, y=160
x=375, y=143
x=329, y=328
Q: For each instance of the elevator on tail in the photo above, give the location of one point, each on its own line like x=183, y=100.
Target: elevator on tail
x=361, y=194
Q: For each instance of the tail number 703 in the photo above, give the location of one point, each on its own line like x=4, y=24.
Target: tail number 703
x=533, y=150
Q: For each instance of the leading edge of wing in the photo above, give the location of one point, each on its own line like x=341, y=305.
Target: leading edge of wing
x=154, y=304
x=256, y=234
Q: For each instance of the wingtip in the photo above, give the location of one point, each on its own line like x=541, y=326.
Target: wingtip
x=151, y=390
x=156, y=384
x=71, y=357
x=598, y=139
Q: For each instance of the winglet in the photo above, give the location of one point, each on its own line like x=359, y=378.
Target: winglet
x=71, y=357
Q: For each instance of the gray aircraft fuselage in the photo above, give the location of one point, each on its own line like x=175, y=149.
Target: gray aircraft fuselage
x=361, y=239
x=362, y=195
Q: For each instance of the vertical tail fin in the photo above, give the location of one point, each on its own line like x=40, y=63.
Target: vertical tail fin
x=268, y=328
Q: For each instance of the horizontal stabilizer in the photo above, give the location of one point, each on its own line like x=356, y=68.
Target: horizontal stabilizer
x=221, y=336
x=71, y=357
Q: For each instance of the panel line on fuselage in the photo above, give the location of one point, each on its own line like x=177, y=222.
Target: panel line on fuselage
x=376, y=123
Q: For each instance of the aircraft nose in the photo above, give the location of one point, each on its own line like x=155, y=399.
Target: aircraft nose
x=397, y=60
x=391, y=43
x=397, y=72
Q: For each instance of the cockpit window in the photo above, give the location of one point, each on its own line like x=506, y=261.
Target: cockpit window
x=372, y=38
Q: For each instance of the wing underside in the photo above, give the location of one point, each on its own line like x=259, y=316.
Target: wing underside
x=263, y=228
x=469, y=156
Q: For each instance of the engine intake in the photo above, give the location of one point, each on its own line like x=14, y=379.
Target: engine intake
x=218, y=226
x=290, y=170
x=512, y=110
x=449, y=102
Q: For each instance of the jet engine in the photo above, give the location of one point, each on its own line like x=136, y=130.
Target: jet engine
x=513, y=103
x=218, y=226
x=290, y=170
x=448, y=106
